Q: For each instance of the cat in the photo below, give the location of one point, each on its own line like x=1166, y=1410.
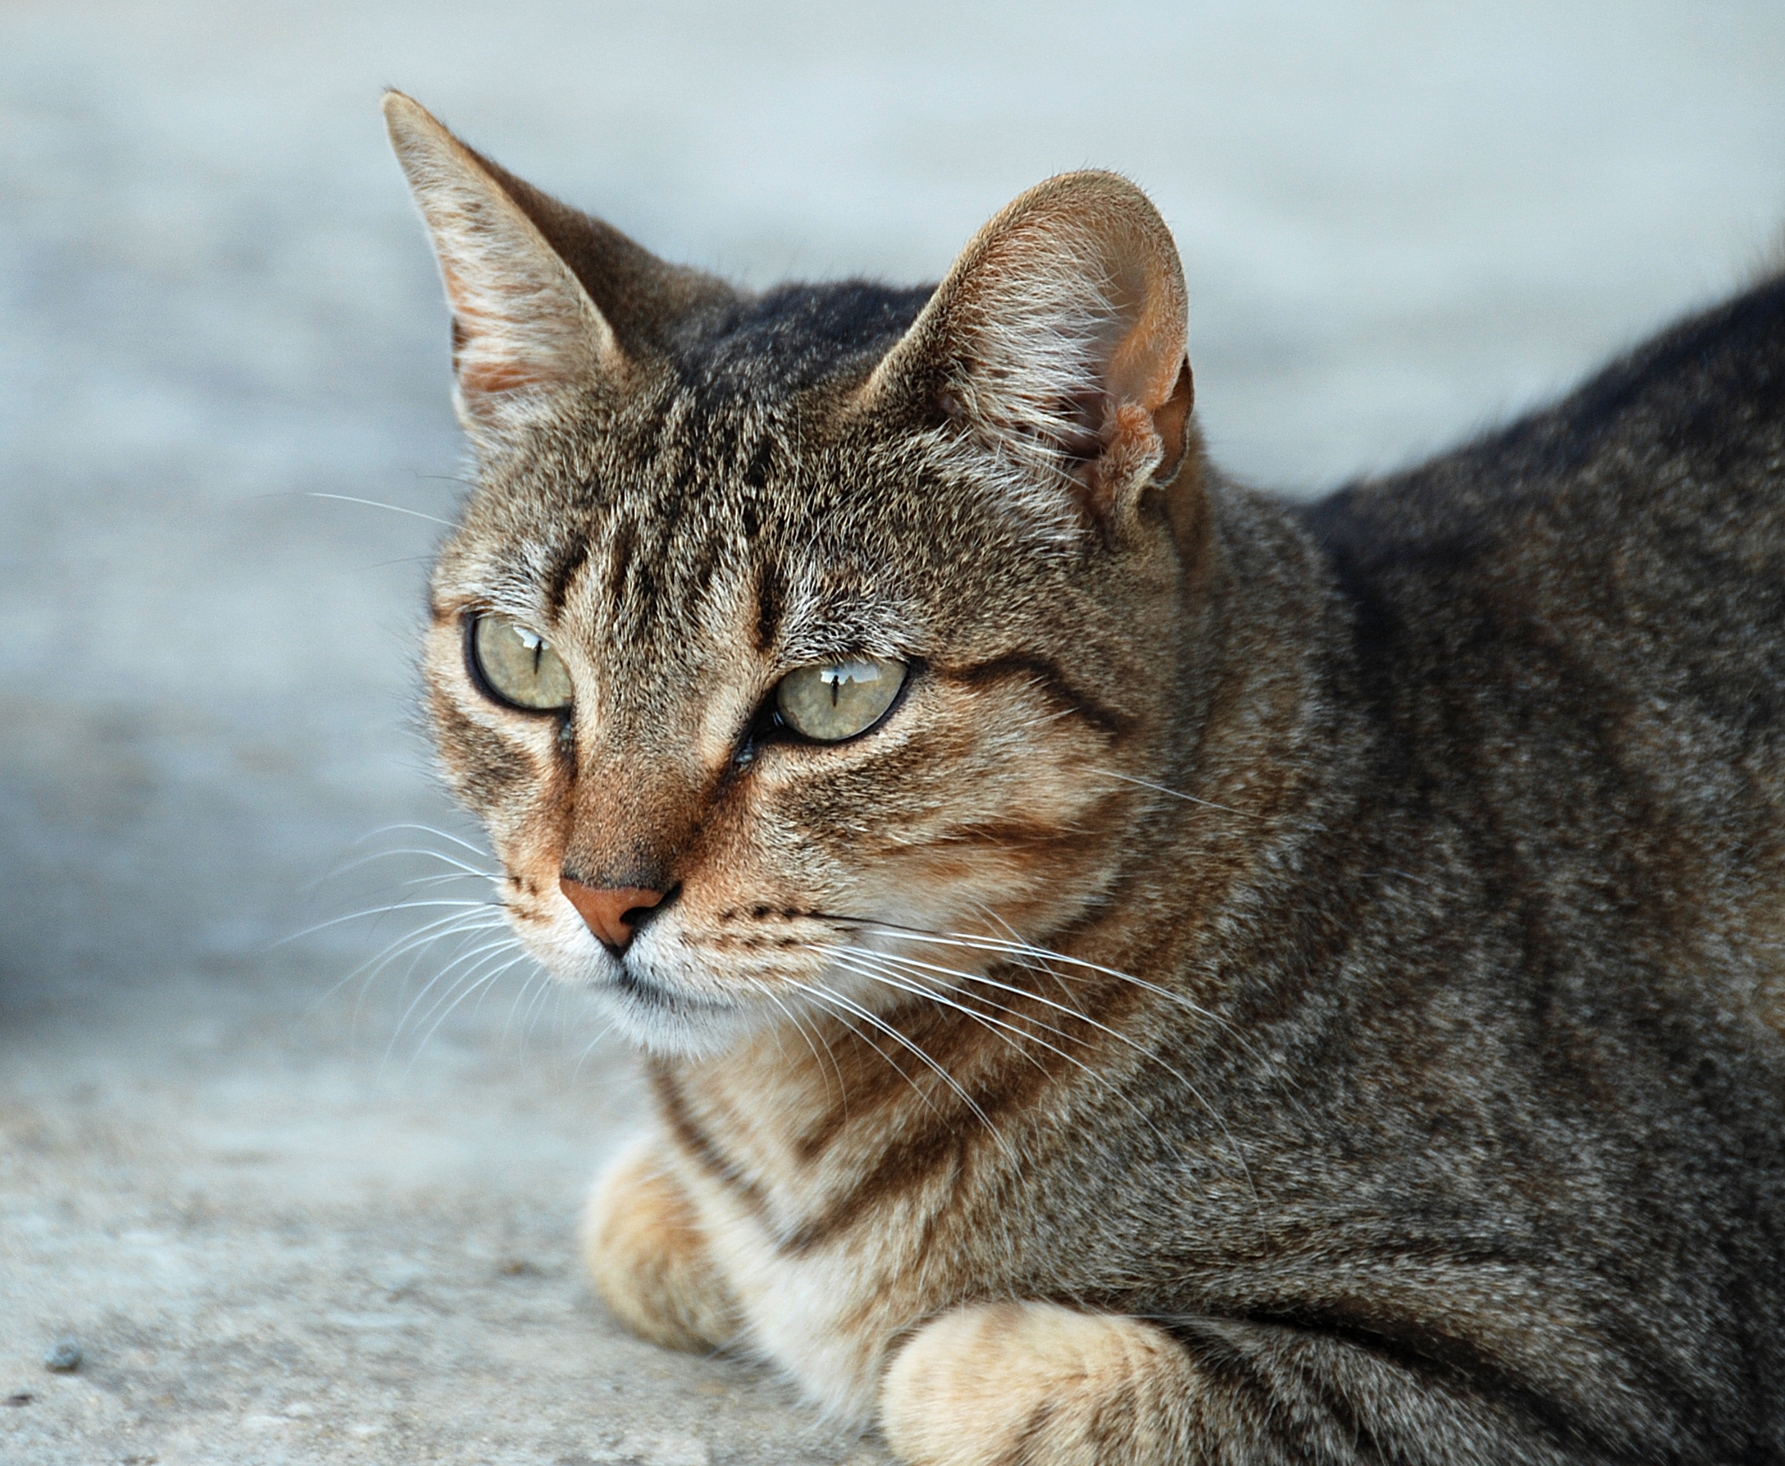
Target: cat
x=1131, y=969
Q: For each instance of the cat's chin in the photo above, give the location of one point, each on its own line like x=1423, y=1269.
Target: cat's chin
x=669, y=1021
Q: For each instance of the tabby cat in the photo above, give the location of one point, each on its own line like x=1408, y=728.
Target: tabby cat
x=1133, y=970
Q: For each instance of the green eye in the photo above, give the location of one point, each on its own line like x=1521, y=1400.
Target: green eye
x=838, y=701
x=517, y=666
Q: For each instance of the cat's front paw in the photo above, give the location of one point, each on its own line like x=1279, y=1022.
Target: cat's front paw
x=648, y=1255
x=1037, y=1383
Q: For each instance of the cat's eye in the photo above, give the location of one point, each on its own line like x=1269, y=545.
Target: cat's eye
x=839, y=700
x=517, y=666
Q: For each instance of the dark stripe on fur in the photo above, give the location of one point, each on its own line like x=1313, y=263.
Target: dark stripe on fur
x=701, y=1147
x=1052, y=680
x=1008, y=1086
x=557, y=586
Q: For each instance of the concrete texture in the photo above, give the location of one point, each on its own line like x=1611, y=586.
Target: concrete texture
x=292, y=1211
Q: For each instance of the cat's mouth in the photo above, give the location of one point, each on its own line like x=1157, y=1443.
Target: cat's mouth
x=658, y=1006
x=648, y=992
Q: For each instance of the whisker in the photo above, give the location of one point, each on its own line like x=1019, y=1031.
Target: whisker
x=373, y=968
x=1101, y=1079
x=855, y=960
x=589, y=1048
x=426, y=830
x=918, y=1050
x=364, y=860
x=1027, y=963
x=1048, y=956
x=451, y=875
x=515, y=1006
x=375, y=504
x=482, y=984
x=1173, y=793
x=545, y=992
x=1019, y=949
x=819, y=993
x=429, y=986
x=1141, y=1050
x=311, y=931
x=416, y=941
x=998, y=945
x=842, y=1090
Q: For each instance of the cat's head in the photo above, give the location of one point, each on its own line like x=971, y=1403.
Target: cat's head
x=785, y=630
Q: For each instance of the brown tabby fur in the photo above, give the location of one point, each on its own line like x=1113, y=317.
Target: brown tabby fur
x=1285, y=983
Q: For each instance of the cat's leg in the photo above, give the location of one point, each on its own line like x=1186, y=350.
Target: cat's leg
x=648, y=1255
x=1034, y=1382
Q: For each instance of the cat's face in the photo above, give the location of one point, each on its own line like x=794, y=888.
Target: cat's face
x=767, y=630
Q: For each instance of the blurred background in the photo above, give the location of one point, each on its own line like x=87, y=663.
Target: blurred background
x=291, y=1209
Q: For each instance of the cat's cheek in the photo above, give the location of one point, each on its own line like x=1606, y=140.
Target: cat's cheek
x=1032, y=856
x=504, y=767
x=998, y=798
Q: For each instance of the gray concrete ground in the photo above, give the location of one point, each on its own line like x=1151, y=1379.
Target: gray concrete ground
x=288, y=1214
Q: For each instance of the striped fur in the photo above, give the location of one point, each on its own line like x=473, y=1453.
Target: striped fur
x=1281, y=985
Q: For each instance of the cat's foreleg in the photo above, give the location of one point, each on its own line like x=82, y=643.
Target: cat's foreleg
x=648, y=1255
x=1036, y=1384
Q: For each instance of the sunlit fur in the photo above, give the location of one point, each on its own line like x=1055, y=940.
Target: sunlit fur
x=1281, y=984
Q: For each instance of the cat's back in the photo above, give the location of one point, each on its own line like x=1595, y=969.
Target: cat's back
x=1570, y=635
x=1616, y=562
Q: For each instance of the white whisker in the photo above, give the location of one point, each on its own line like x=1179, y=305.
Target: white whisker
x=431, y=984
x=1141, y=1050
x=476, y=850
x=861, y=962
x=376, y=855
x=1172, y=793
x=842, y=1090
x=375, y=504
x=481, y=984
x=827, y=995
x=311, y=931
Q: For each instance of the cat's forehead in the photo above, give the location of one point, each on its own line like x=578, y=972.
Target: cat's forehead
x=701, y=522
x=727, y=496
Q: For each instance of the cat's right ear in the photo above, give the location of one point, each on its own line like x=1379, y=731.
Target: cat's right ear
x=524, y=329
x=1056, y=345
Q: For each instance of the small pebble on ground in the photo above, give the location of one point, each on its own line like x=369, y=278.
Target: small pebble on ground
x=64, y=1356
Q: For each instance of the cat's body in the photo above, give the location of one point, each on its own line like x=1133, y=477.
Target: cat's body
x=1276, y=983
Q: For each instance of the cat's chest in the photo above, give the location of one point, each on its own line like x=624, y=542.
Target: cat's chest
x=831, y=1251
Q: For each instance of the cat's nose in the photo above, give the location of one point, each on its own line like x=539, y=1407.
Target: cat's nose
x=610, y=911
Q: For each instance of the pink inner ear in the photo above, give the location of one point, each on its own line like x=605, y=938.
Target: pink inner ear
x=488, y=355
x=1132, y=434
x=1144, y=365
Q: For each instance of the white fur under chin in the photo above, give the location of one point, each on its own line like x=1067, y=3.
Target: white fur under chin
x=649, y=1006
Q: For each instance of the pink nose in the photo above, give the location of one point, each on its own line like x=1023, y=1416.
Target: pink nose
x=605, y=908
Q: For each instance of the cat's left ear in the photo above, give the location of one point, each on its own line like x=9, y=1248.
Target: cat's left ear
x=1058, y=343
x=524, y=328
